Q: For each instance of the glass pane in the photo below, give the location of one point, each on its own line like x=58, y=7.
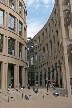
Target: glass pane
x=11, y=46
x=11, y=22
x=2, y=0
x=20, y=50
x=1, y=18
x=20, y=28
x=11, y=3
x=1, y=42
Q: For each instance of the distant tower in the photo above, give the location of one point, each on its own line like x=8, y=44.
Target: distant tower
x=30, y=60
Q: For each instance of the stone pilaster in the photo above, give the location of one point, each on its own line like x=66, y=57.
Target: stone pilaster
x=23, y=77
x=4, y=69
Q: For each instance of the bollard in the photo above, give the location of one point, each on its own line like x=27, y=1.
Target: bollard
x=33, y=88
x=43, y=96
x=8, y=98
x=22, y=95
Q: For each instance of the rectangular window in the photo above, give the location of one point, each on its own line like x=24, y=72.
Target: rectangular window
x=20, y=8
x=46, y=31
x=11, y=22
x=11, y=3
x=43, y=35
x=1, y=42
x=52, y=72
x=1, y=17
x=40, y=57
x=38, y=39
x=20, y=50
x=35, y=43
x=11, y=46
x=44, y=73
x=47, y=47
x=35, y=57
x=20, y=28
x=36, y=76
x=41, y=78
x=43, y=53
x=32, y=60
x=28, y=62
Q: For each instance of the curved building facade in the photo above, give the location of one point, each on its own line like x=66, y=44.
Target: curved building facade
x=13, y=43
x=53, y=48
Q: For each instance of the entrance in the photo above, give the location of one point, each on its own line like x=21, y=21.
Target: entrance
x=11, y=75
x=0, y=75
x=20, y=76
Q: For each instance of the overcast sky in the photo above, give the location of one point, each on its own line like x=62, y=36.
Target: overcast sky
x=38, y=12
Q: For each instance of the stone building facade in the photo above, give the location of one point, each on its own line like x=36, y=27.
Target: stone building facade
x=30, y=60
x=13, y=43
x=53, y=48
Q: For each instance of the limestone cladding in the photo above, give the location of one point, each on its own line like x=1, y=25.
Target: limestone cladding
x=13, y=29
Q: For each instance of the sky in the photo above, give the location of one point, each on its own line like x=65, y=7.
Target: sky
x=38, y=12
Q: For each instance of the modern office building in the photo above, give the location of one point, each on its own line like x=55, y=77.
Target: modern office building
x=13, y=43
x=30, y=60
x=53, y=48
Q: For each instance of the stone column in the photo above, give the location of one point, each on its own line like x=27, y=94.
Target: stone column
x=5, y=18
x=18, y=76
x=67, y=76
x=47, y=73
x=5, y=44
x=16, y=25
x=5, y=1
x=4, y=70
x=6, y=75
x=54, y=75
x=15, y=75
x=8, y=2
x=23, y=30
x=17, y=49
x=50, y=74
x=71, y=11
x=59, y=76
x=63, y=76
x=16, y=5
x=23, y=54
x=23, y=12
x=26, y=76
x=43, y=81
x=68, y=88
x=23, y=77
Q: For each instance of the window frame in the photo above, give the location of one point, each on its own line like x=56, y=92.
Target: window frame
x=10, y=22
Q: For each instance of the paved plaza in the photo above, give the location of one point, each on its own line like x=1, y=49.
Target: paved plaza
x=36, y=100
